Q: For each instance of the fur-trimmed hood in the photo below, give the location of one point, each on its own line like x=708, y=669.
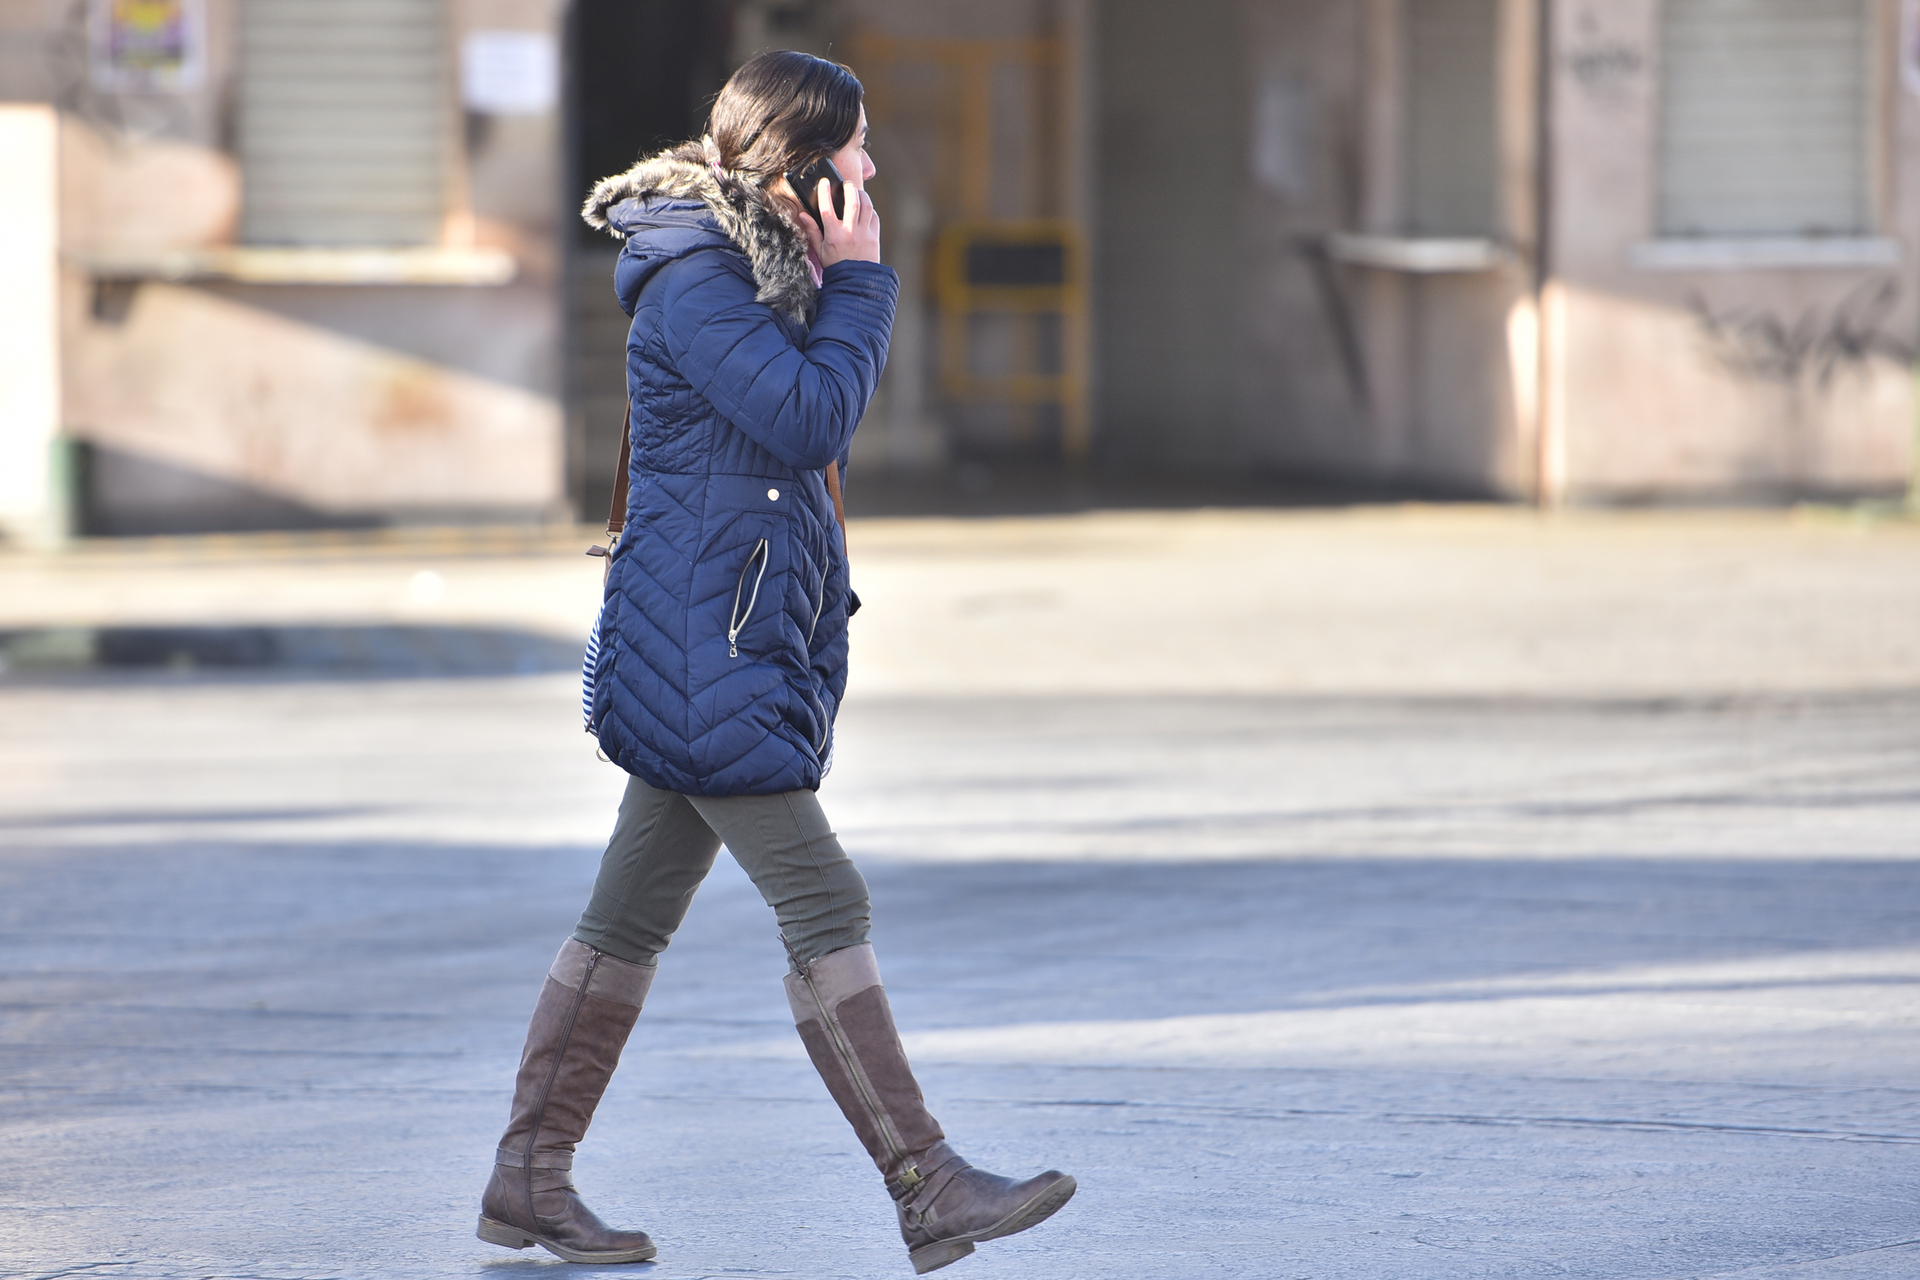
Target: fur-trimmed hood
x=744, y=213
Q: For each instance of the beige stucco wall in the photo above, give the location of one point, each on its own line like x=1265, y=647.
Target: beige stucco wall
x=260, y=387
x=1438, y=402
x=1304, y=85
x=215, y=402
x=1664, y=386
x=1647, y=384
x=384, y=402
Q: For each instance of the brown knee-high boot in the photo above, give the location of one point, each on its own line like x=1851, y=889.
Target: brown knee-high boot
x=580, y=1024
x=946, y=1205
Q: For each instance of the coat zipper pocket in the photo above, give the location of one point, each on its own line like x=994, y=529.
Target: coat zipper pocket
x=817, y=610
x=736, y=620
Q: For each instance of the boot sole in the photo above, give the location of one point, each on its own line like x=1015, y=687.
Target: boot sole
x=932, y=1257
x=508, y=1237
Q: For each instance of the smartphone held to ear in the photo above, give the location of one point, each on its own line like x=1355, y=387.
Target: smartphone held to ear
x=806, y=185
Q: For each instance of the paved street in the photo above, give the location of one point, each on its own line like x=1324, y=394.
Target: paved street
x=1361, y=895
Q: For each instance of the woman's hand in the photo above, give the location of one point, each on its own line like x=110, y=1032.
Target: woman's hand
x=854, y=237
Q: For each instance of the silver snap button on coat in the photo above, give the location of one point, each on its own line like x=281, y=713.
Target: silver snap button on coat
x=773, y=495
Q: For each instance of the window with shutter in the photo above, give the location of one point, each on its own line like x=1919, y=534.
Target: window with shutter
x=345, y=121
x=1452, y=151
x=1764, y=118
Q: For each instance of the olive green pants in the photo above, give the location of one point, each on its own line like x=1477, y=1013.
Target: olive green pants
x=664, y=844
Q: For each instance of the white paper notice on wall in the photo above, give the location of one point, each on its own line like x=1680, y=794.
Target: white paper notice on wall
x=145, y=46
x=509, y=73
x=1281, y=136
x=1910, y=44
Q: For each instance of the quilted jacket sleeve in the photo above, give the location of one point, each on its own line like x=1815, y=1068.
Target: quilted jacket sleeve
x=799, y=402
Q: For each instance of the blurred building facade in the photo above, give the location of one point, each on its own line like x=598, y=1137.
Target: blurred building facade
x=308, y=263
x=317, y=263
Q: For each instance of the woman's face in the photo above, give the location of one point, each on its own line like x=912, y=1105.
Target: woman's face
x=852, y=160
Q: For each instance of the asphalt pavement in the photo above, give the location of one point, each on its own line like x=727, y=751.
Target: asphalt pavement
x=1373, y=894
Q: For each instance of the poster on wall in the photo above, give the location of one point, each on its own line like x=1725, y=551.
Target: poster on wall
x=146, y=46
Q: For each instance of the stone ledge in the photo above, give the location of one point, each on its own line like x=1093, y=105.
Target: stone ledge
x=262, y=265
x=1419, y=255
x=1746, y=253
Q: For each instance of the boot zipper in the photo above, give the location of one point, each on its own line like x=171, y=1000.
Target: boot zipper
x=734, y=620
x=910, y=1177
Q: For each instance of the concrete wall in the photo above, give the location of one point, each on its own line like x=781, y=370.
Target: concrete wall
x=1212, y=149
x=203, y=404
x=910, y=426
x=1235, y=139
x=1749, y=380
x=1365, y=371
x=1172, y=266
x=1305, y=400
x=1449, y=360
x=227, y=405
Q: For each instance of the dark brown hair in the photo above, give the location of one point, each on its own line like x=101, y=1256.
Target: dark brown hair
x=784, y=110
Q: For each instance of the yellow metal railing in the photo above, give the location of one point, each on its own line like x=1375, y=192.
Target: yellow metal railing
x=982, y=264
x=1027, y=268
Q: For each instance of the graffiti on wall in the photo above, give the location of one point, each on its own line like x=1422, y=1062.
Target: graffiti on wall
x=1603, y=56
x=1818, y=342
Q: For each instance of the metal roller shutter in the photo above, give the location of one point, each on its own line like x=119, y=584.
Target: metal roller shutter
x=1452, y=163
x=345, y=121
x=1764, y=121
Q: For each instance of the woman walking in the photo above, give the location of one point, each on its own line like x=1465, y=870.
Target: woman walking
x=758, y=338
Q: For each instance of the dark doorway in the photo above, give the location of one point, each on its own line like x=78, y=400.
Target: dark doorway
x=642, y=74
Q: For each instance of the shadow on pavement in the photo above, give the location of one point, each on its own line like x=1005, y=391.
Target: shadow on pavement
x=345, y=1018
x=366, y=651
x=1005, y=942
x=982, y=488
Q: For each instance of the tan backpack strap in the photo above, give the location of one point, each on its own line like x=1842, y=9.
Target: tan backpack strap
x=840, y=514
x=617, y=513
x=832, y=474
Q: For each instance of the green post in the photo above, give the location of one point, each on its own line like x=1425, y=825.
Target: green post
x=66, y=486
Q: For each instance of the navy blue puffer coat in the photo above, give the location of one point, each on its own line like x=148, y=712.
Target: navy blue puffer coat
x=722, y=637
